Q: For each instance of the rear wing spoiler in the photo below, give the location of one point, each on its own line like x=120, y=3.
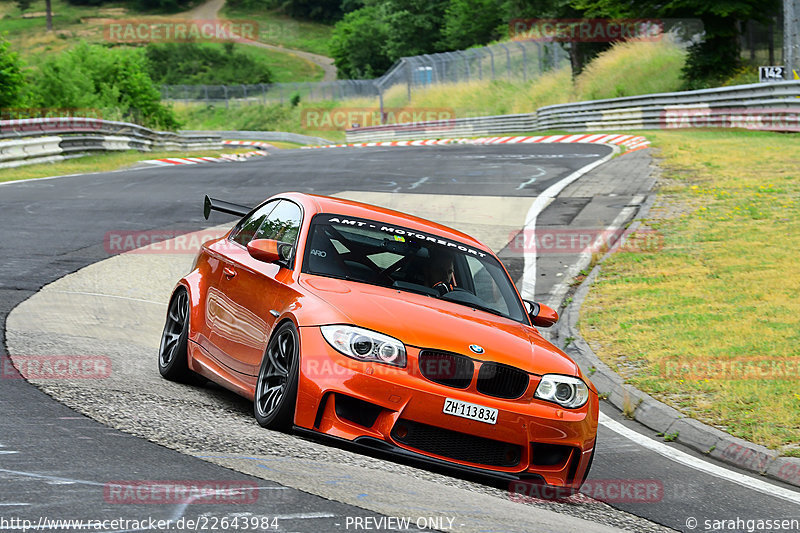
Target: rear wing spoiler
x=212, y=204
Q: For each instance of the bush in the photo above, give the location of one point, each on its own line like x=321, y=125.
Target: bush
x=12, y=80
x=114, y=81
x=209, y=64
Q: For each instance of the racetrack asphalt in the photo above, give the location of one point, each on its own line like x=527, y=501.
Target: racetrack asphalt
x=59, y=226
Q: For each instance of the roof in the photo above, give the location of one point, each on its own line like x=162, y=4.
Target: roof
x=340, y=206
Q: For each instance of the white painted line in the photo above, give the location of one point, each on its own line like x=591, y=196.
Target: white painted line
x=558, y=292
x=7, y=452
x=419, y=182
x=12, y=504
x=528, y=289
x=302, y=516
x=698, y=464
x=112, y=296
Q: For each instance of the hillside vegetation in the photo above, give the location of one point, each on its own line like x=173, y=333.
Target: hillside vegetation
x=77, y=22
x=645, y=67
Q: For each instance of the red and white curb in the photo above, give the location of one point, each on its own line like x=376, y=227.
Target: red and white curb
x=249, y=143
x=223, y=158
x=630, y=142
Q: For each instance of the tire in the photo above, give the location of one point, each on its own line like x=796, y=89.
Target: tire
x=173, y=351
x=276, y=387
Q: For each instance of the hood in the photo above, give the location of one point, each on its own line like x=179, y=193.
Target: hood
x=426, y=322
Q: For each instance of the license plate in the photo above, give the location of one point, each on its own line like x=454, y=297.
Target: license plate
x=470, y=410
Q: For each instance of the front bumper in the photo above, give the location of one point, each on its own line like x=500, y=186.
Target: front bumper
x=398, y=411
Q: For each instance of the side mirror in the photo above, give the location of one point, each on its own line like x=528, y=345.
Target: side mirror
x=269, y=251
x=541, y=315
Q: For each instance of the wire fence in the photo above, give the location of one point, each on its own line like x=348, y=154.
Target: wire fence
x=515, y=60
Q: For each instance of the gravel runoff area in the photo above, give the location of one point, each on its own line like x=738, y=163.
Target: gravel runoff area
x=116, y=307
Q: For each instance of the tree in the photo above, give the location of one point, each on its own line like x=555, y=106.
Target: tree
x=356, y=43
x=12, y=80
x=319, y=10
x=471, y=22
x=715, y=58
x=368, y=40
x=112, y=81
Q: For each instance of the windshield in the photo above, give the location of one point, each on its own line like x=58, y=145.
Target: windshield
x=377, y=253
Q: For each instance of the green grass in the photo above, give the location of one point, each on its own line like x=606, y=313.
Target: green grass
x=72, y=23
x=722, y=292
x=280, y=30
x=251, y=117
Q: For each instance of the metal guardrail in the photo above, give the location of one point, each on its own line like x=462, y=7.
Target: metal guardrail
x=279, y=136
x=38, y=140
x=762, y=106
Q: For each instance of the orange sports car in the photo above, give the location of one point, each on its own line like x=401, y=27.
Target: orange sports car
x=385, y=330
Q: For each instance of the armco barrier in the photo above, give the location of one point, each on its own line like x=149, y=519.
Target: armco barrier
x=36, y=140
x=279, y=136
x=762, y=106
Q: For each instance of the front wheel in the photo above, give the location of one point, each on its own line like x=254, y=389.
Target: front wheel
x=276, y=388
x=173, y=351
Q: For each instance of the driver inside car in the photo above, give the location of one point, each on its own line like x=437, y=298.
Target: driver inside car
x=440, y=274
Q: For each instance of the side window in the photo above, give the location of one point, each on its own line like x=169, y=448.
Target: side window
x=485, y=286
x=248, y=228
x=282, y=224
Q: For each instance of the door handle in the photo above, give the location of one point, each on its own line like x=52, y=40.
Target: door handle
x=228, y=272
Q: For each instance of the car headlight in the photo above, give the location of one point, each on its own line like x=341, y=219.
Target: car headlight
x=365, y=345
x=566, y=391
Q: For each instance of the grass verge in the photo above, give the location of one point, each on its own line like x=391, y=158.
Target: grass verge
x=710, y=323
x=98, y=163
x=275, y=28
x=254, y=117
